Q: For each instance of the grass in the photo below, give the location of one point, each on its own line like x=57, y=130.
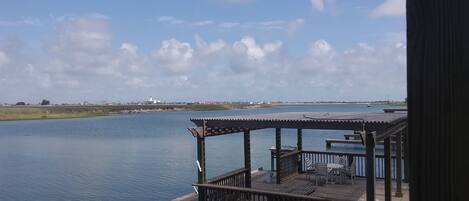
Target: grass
x=29, y=113
x=77, y=111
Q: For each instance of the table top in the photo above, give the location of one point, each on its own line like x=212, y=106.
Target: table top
x=334, y=165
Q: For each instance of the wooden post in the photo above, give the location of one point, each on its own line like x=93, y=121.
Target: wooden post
x=387, y=169
x=399, y=164
x=278, y=148
x=247, y=158
x=201, y=166
x=405, y=150
x=300, y=149
x=370, y=166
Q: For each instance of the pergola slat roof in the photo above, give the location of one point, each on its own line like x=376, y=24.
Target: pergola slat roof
x=370, y=121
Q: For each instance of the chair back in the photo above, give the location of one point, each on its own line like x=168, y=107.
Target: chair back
x=309, y=163
x=352, y=169
x=341, y=160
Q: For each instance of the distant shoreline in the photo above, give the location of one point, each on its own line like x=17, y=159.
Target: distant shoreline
x=18, y=113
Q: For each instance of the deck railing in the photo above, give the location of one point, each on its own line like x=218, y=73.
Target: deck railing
x=233, y=178
x=289, y=164
x=229, y=193
x=360, y=161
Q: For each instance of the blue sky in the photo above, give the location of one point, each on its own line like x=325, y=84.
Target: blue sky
x=72, y=51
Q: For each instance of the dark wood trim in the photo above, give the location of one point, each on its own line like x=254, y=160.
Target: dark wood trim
x=201, y=159
x=247, y=158
x=405, y=151
x=370, y=166
x=278, y=146
x=270, y=194
x=299, y=147
x=399, y=164
x=387, y=169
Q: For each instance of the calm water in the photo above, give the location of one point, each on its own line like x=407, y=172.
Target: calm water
x=130, y=157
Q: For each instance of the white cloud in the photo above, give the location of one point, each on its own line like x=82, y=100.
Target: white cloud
x=390, y=8
x=21, y=22
x=203, y=23
x=165, y=18
x=205, y=48
x=317, y=5
x=82, y=64
x=170, y=19
x=295, y=25
x=175, y=56
x=248, y=55
x=229, y=24
x=3, y=59
x=129, y=48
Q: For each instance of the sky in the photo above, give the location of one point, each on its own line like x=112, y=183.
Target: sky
x=206, y=50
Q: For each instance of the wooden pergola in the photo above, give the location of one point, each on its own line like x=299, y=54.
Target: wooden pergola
x=373, y=127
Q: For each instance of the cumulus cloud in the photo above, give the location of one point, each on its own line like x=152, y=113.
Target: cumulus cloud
x=390, y=8
x=229, y=24
x=3, y=59
x=174, y=56
x=295, y=25
x=247, y=55
x=82, y=64
x=21, y=22
x=170, y=19
x=203, y=23
x=317, y=5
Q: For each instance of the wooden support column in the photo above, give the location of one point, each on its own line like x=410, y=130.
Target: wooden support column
x=247, y=158
x=370, y=166
x=399, y=164
x=405, y=150
x=278, y=148
x=299, y=145
x=387, y=169
x=201, y=166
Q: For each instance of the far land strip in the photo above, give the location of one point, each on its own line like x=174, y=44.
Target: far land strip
x=12, y=113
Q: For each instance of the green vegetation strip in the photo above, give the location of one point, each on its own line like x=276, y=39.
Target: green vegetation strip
x=66, y=112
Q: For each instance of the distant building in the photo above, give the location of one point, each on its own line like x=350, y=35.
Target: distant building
x=153, y=101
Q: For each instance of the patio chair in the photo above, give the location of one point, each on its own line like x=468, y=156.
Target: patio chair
x=309, y=168
x=350, y=172
x=341, y=160
x=321, y=172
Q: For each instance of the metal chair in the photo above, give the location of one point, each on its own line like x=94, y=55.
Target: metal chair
x=341, y=160
x=309, y=168
x=321, y=172
x=350, y=172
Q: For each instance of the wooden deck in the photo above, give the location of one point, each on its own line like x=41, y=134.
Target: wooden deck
x=299, y=184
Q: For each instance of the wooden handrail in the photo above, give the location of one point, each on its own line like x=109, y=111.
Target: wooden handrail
x=227, y=175
x=343, y=153
x=290, y=154
x=258, y=191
